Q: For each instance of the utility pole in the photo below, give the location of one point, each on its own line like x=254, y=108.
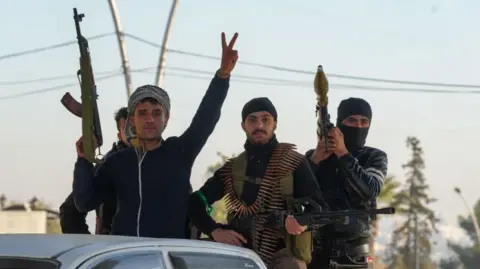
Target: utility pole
x=121, y=46
x=471, y=213
x=164, y=50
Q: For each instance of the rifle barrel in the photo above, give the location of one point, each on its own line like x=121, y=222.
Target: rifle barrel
x=347, y=213
x=77, y=18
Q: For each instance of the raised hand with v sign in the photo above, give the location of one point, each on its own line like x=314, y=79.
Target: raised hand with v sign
x=229, y=56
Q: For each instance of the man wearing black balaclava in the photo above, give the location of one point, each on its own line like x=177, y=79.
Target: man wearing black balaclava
x=351, y=176
x=263, y=177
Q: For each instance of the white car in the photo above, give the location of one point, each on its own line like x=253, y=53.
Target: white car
x=62, y=251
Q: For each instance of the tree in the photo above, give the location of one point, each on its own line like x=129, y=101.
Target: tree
x=450, y=263
x=389, y=189
x=412, y=239
x=466, y=256
x=3, y=201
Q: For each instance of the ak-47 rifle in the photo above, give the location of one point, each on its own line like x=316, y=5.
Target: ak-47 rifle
x=87, y=110
x=316, y=218
x=320, y=85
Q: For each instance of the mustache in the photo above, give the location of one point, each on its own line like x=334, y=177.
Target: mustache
x=258, y=132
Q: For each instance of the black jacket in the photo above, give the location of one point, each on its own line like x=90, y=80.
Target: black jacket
x=151, y=188
x=304, y=183
x=352, y=182
x=73, y=221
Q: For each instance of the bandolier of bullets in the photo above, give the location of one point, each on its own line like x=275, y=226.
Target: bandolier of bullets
x=284, y=160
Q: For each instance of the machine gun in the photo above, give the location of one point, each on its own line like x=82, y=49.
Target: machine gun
x=320, y=85
x=88, y=109
x=316, y=218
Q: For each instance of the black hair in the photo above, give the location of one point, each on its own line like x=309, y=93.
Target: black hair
x=122, y=113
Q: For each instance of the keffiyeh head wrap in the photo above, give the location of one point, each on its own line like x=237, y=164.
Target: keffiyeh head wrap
x=142, y=93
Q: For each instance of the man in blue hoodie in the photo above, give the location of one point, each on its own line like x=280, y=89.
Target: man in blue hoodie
x=151, y=180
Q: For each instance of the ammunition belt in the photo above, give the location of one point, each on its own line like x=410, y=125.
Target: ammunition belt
x=284, y=160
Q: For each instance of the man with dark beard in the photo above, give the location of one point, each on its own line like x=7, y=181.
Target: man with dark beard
x=268, y=175
x=351, y=176
x=73, y=221
x=151, y=179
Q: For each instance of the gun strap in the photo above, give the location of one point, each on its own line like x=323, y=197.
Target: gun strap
x=270, y=197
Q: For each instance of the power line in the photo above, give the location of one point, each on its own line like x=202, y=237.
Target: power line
x=298, y=71
x=53, y=78
x=51, y=47
x=308, y=84
x=55, y=88
x=255, y=80
x=273, y=67
x=141, y=70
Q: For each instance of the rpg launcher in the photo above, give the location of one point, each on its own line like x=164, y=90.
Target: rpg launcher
x=320, y=85
x=88, y=109
x=315, y=218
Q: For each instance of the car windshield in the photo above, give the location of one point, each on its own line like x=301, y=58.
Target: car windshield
x=27, y=263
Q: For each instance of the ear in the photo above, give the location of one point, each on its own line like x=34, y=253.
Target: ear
x=243, y=126
x=119, y=136
x=274, y=126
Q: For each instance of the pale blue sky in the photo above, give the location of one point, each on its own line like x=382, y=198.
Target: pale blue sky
x=434, y=41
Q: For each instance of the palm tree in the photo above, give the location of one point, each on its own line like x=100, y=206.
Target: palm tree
x=389, y=189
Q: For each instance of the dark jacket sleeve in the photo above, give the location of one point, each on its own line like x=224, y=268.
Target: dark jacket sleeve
x=91, y=186
x=213, y=190
x=305, y=185
x=325, y=168
x=72, y=221
x=107, y=211
x=205, y=119
x=366, y=180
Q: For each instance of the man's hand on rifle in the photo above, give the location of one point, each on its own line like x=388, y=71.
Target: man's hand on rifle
x=322, y=152
x=229, y=56
x=340, y=148
x=293, y=227
x=79, y=146
x=228, y=237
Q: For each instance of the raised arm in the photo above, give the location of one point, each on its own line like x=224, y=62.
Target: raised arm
x=205, y=119
x=91, y=186
x=208, y=113
x=366, y=180
x=323, y=169
x=209, y=193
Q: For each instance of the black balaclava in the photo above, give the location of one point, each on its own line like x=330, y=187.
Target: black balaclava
x=355, y=138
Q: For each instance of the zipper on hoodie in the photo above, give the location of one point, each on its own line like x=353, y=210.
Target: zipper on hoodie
x=140, y=157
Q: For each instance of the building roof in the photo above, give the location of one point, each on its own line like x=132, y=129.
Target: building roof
x=27, y=207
